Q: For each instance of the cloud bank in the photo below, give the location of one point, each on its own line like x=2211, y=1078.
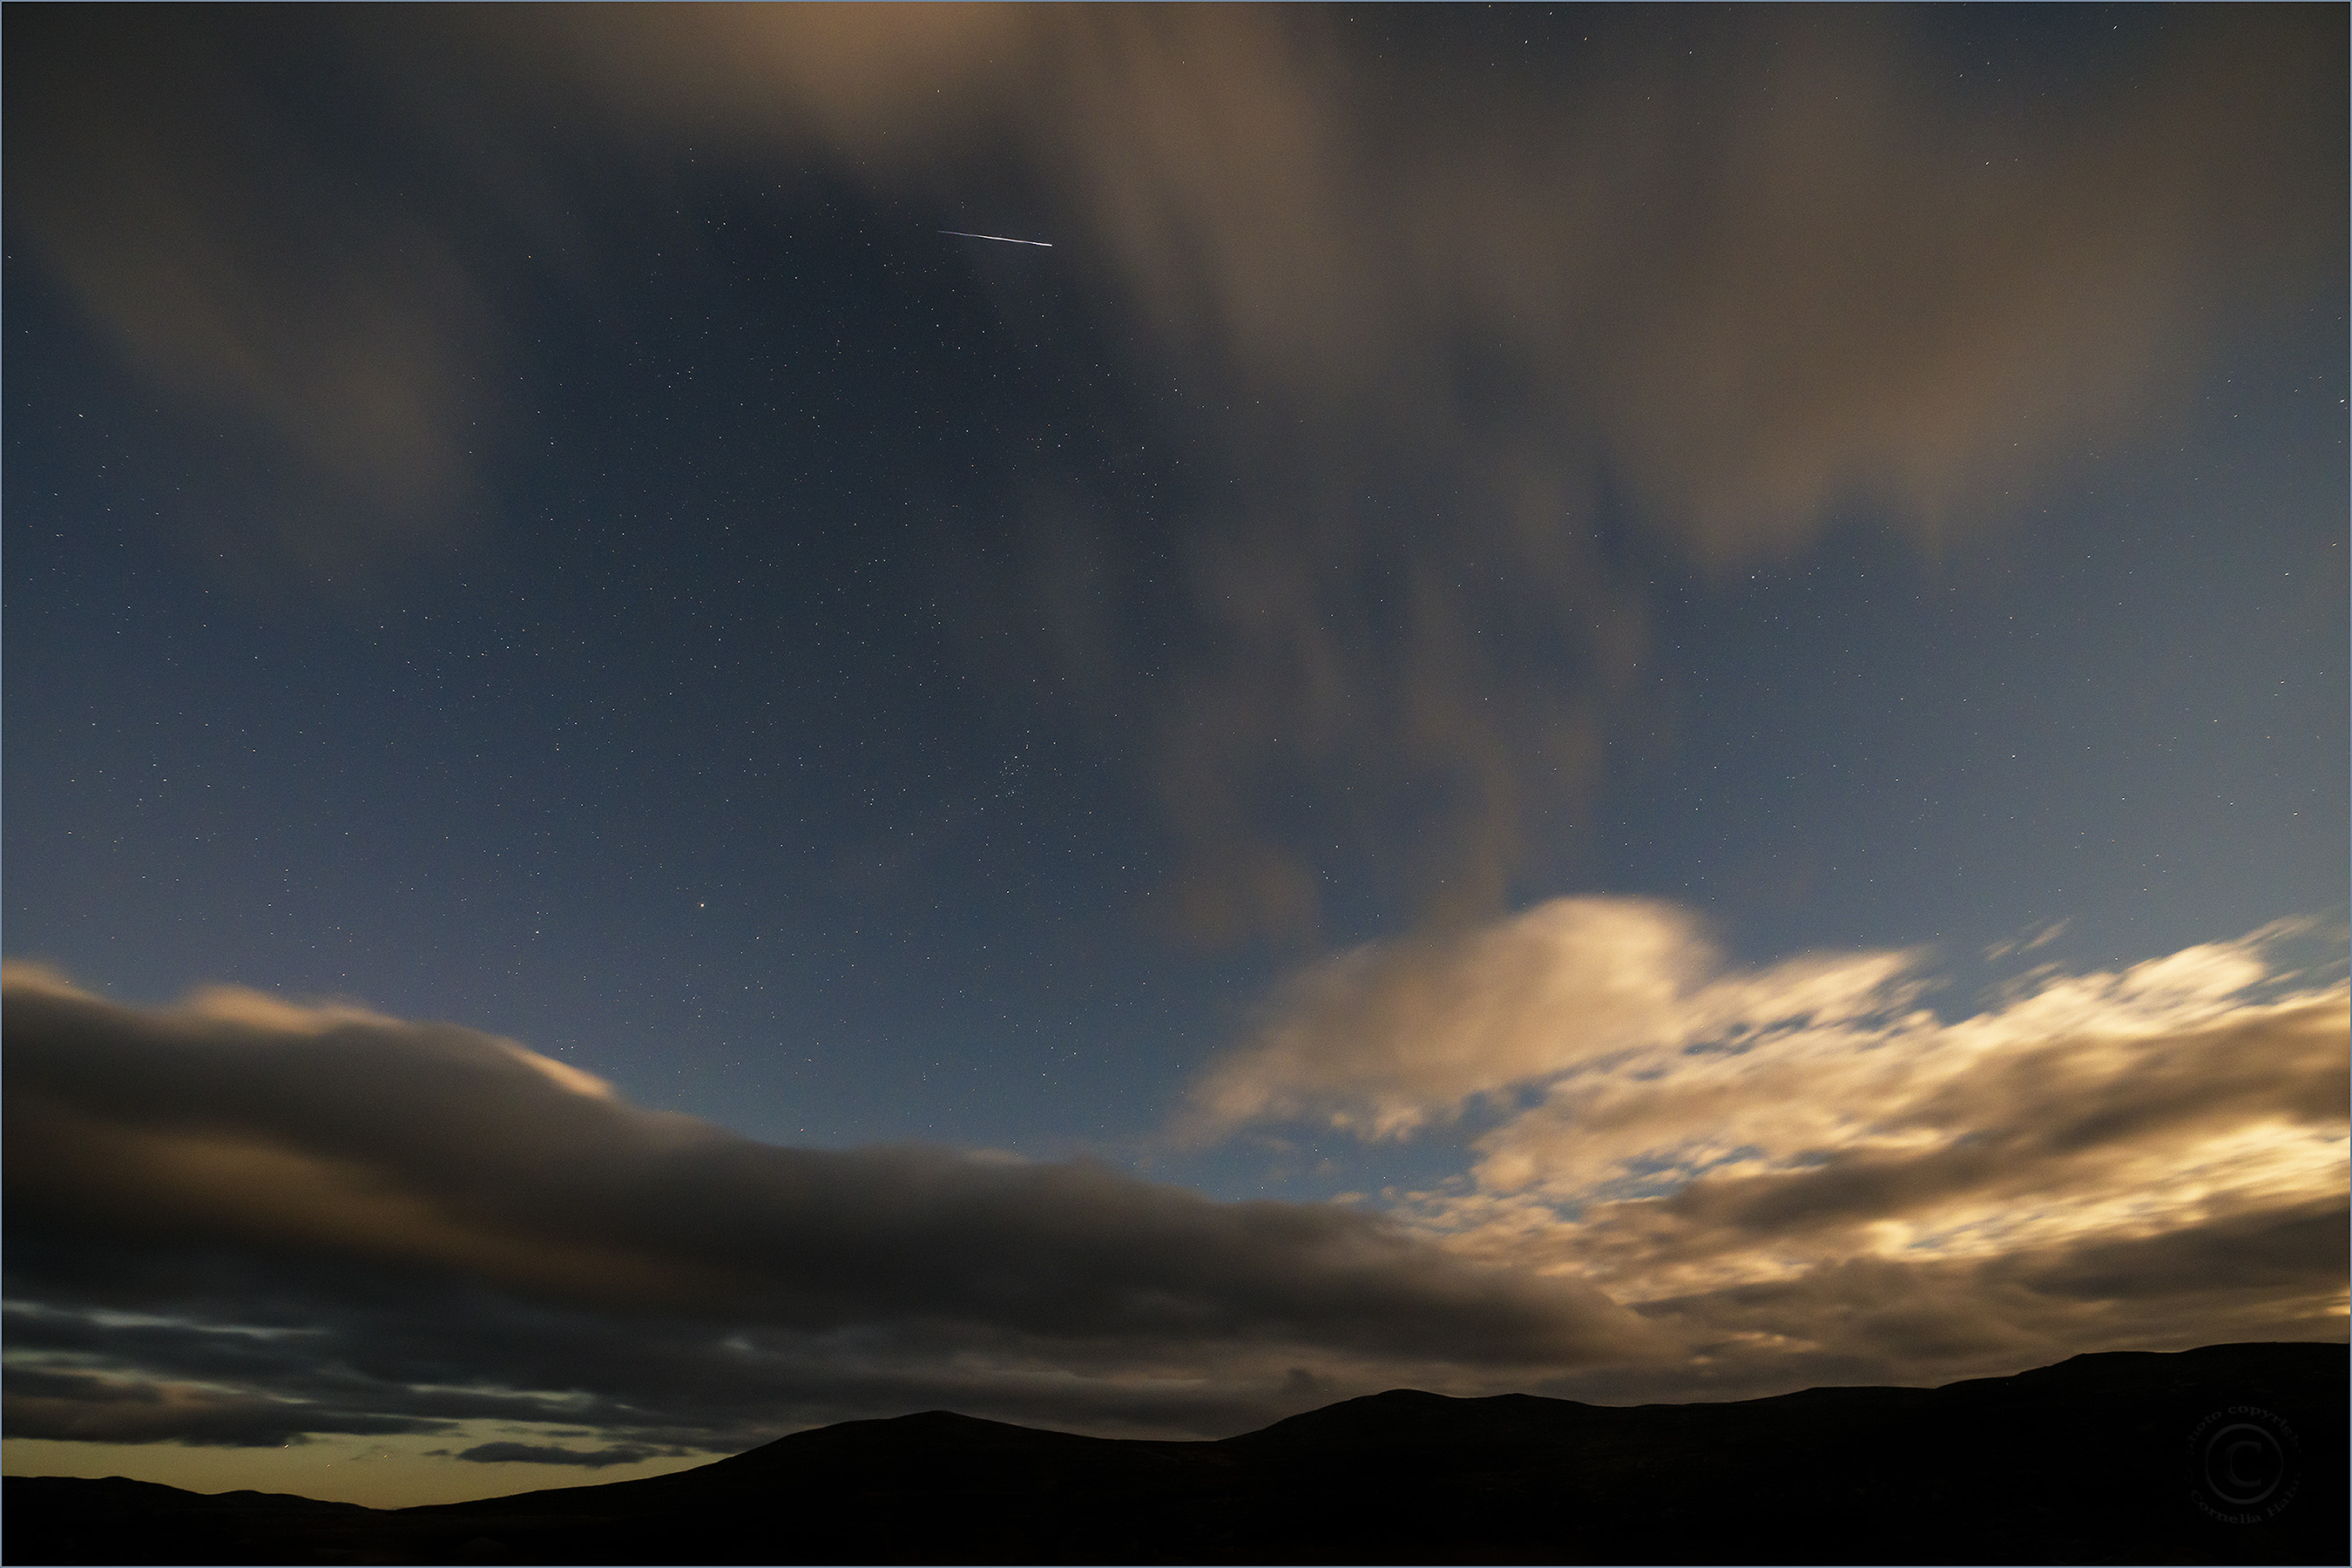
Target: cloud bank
x=241, y=1222
x=237, y=1219
x=1803, y=1164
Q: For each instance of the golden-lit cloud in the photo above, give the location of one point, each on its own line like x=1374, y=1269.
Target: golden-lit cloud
x=1387, y=1038
x=1686, y=1134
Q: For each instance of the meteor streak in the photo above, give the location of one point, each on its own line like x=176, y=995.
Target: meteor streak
x=1041, y=244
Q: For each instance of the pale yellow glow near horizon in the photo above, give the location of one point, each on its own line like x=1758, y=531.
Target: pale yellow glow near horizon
x=377, y=1472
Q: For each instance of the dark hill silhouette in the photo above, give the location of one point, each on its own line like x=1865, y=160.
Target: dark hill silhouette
x=2101, y=1458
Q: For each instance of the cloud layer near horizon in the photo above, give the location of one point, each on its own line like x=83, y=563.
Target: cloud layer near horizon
x=1803, y=1161
x=312, y=1213
x=240, y=1221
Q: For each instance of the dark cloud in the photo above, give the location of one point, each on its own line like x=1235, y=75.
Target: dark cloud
x=370, y=1138
x=400, y=1343
x=2300, y=1249
x=85, y=1408
x=547, y=1454
x=341, y=1209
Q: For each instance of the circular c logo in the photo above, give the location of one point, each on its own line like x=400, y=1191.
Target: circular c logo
x=2245, y=1464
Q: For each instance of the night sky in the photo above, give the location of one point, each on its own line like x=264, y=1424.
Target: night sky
x=1631, y=703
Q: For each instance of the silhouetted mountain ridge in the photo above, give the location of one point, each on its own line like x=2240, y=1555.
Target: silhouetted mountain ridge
x=2093, y=1460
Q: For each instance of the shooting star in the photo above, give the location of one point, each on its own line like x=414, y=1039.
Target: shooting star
x=1007, y=239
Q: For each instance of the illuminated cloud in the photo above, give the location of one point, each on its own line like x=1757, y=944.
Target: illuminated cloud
x=1784, y=1156
x=1387, y=1038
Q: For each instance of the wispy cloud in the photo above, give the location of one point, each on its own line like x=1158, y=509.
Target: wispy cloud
x=1427, y=316
x=1800, y=274
x=323, y=336
x=2041, y=936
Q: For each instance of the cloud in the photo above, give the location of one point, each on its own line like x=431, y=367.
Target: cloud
x=1754, y=288
x=83, y=1408
x=1801, y=263
x=1769, y=1159
x=2276, y=1273
x=329, y=1209
x=240, y=1220
x=1806, y=273
x=325, y=337
x=1428, y=314
x=1387, y=1038
x=548, y=1454
x=2050, y=931
x=1797, y=267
